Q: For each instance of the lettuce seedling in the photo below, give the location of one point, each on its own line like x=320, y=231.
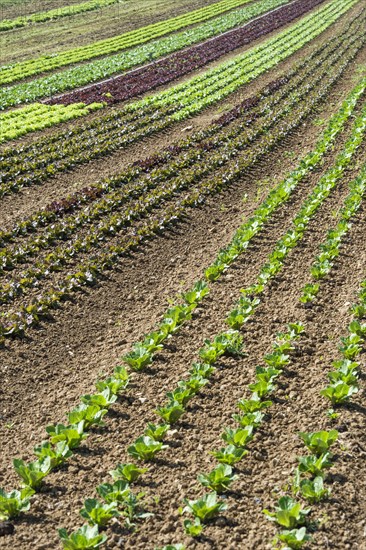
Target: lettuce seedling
x=199, y=291
x=128, y=472
x=180, y=395
x=230, y=454
x=346, y=366
x=145, y=448
x=227, y=343
x=15, y=502
x=112, y=493
x=267, y=373
x=313, y=489
x=359, y=311
x=202, y=369
x=350, y=378
x=232, y=341
x=97, y=513
x=57, y=454
x=309, y=292
x=171, y=413
x=90, y=414
x=315, y=465
x=213, y=272
x=254, y=404
x=351, y=346
x=212, y=351
x=156, y=431
x=205, y=508
x=85, y=538
x=72, y=434
x=132, y=508
x=194, y=383
x=120, y=373
x=294, y=539
x=112, y=384
x=152, y=342
x=236, y=318
x=103, y=400
x=32, y=473
x=218, y=479
x=319, y=442
x=193, y=528
x=356, y=327
x=139, y=358
x=288, y=513
x=249, y=419
x=339, y=392
x=262, y=387
x=295, y=329
x=277, y=359
x=239, y=437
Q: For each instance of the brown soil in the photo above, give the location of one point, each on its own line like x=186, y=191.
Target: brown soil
x=44, y=375
x=61, y=361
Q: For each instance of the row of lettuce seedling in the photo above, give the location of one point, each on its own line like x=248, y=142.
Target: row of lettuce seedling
x=267, y=17
x=212, y=87
x=311, y=474
x=135, y=37
x=66, y=228
x=43, y=116
x=330, y=249
x=66, y=11
x=252, y=414
x=17, y=323
x=162, y=66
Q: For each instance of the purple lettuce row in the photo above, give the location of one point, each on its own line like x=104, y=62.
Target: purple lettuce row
x=179, y=64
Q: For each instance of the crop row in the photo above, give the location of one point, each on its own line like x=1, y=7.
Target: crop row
x=86, y=272
x=106, y=134
x=66, y=11
x=64, y=438
x=74, y=77
x=37, y=116
x=134, y=184
x=310, y=475
x=147, y=446
x=331, y=248
x=46, y=63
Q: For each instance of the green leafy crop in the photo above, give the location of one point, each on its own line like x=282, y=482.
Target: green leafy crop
x=85, y=538
x=127, y=472
x=219, y=479
x=15, y=502
x=97, y=513
x=319, y=442
x=145, y=448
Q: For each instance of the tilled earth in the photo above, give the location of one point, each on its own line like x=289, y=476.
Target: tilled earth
x=44, y=375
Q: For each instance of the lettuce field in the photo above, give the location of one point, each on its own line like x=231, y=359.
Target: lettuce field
x=183, y=274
